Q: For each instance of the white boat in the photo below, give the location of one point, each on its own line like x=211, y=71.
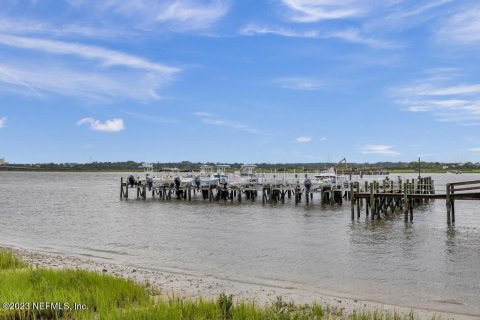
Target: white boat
x=246, y=176
x=186, y=181
x=328, y=179
x=167, y=179
x=208, y=178
x=220, y=175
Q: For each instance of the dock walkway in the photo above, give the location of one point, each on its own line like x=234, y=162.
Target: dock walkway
x=376, y=198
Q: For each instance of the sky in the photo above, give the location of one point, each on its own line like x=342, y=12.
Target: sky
x=239, y=81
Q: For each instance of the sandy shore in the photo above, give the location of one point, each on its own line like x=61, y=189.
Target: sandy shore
x=190, y=286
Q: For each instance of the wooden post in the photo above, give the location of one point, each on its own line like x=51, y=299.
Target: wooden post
x=144, y=193
x=405, y=200
x=358, y=207
x=411, y=210
x=372, y=199
x=352, y=201
x=448, y=202
x=452, y=201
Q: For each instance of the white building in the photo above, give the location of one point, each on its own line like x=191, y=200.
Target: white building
x=2, y=161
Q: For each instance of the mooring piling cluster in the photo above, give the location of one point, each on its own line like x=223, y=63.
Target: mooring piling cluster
x=375, y=197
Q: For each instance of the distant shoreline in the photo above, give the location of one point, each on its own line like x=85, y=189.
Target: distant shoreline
x=280, y=170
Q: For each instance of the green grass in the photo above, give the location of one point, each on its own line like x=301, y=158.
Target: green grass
x=109, y=297
x=102, y=294
x=8, y=260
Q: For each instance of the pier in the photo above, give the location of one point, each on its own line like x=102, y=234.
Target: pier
x=378, y=199
x=375, y=198
x=270, y=190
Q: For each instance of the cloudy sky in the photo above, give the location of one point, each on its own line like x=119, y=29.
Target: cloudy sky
x=246, y=81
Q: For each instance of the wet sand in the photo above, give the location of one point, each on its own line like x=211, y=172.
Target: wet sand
x=193, y=287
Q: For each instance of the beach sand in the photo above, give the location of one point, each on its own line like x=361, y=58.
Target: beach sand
x=193, y=287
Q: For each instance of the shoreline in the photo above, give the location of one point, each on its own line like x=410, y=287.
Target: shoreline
x=312, y=171
x=209, y=287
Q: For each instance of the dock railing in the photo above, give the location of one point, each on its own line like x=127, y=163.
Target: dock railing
x=457, y=190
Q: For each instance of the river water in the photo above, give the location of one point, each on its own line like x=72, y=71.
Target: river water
x=424, y=264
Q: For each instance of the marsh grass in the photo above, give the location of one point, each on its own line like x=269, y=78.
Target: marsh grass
x=8, y=260
x=108, y=297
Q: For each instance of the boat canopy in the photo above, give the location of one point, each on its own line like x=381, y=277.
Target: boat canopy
x=248, y=169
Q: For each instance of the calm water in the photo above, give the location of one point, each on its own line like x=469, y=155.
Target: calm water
x=424, y=264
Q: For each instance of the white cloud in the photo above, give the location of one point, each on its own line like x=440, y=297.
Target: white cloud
x=42, y=79
x=351, y=35
x=356, y=36
x=212, y=119
x=323, y=138
x=254, y=29
x=461, y=28
x=178, y=15
x=299, y=83
x=30, y=26
x=113, y=125
x=443, y=94
x=474, y=149
x=116, y=18
x=106, y=56
x=404, y=15
x=307, y=11
x=426, y=89
x=186, y=15
x=380, y=149
x=3, y=121
x=303, y=139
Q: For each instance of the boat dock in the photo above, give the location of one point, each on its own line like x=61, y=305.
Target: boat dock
x=378, y=199
x=375, y=198
x=271, y=190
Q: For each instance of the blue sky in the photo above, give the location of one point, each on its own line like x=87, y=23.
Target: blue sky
x=239, y=81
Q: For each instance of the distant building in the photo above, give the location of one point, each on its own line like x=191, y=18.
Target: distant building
x=2, y=161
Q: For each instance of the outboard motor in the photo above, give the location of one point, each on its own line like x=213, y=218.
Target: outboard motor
x=131, y=181
x=308, y=184
x=197, y=181
x=149, y=182
x=177, y=182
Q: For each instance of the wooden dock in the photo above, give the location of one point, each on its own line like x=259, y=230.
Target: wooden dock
x=270, y=192
x=376, y=198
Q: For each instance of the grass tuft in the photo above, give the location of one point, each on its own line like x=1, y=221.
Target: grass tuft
x=8, y=260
